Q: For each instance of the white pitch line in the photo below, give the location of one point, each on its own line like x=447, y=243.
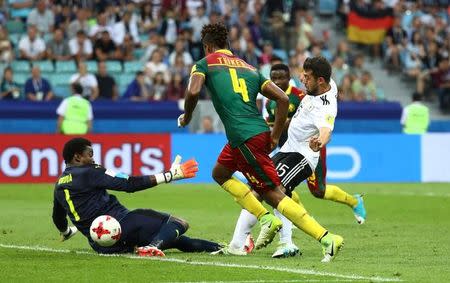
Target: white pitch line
x=218, y=264
x=269, y=281
x=414, y=194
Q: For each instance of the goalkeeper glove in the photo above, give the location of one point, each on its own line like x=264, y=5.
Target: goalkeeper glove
x=178, y=171
x=69, y=233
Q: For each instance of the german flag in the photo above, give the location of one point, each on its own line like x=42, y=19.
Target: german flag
x=368, y=26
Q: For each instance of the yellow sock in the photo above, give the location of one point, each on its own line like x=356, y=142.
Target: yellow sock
x=298, y=215
x=295, y=197
x=244, y=197
x=334, y=193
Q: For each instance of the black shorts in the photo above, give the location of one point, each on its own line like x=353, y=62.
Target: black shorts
x=139, y=227
x=292, y=168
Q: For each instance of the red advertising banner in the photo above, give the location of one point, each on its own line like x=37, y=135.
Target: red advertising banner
x=38, y=158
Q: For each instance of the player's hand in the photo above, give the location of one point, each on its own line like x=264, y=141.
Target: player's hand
x=184, y=170
x=273, y=143
x=71, y=231
x=182, y=122
x=315, y=144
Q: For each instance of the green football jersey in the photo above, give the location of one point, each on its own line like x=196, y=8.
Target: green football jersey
x=295, y=96
x=233, y=85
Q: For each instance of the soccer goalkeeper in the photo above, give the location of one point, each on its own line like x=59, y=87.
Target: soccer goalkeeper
x=81, y=194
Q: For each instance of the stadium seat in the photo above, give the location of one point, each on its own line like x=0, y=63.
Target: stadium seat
x=15, y=27
x=91, y=66
x=21, y=77
x=139, y=52
x=14, y=38
x=45, y=66
x=58, y=79
x=62, y=90
x=123, y=80
x=20, y=66
x=281, y=53
x=143, y=37
x=133, y=66
x=113, y=66
x=66, y=66
x=47, y=37
x=327, y=7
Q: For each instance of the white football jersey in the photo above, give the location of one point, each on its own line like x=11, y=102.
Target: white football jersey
x=313, y=113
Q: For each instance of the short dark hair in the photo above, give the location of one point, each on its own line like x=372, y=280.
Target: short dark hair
x=215, y=34
x=280, y=67
x=416, y=96
x=275, y=58
x=77, y=88
x=319, y=66
x=74, y=146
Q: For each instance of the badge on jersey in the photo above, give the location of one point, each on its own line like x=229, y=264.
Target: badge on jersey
x=329, y=119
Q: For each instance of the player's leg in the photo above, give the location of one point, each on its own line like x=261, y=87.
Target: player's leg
x=222, y=174
x=318, y=187
x=231, y=160
x=155, y=231
x=297, y=169
x=169, y=232
x=243, y=228
x=138, y=229
x=190, y=245
x=254, y=162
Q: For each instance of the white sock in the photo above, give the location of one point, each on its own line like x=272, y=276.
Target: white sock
x=286, y=230
x=244, y=226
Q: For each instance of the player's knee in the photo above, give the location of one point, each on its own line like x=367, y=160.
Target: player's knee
x=183, y=223
x=218, y=176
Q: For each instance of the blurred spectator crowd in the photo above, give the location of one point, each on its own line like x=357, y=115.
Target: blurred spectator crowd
x=417, y=46
x=144, y=50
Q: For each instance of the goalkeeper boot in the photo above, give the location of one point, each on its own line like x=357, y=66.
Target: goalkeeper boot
x=270, y=225
x=359, y=210
x=286, y=250
x=331, y=244
x=149, y=251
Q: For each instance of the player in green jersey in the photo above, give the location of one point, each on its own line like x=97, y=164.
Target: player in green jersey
x=234, y=85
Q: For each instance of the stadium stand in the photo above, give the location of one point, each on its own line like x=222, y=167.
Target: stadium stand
x=291, y=27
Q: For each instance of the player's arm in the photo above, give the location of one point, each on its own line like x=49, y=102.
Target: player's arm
x=110, y=180
x=59, y=124
x=271, y=91
x=192, y=93
x=59, y=216
x=317, y=143
x=325, y=123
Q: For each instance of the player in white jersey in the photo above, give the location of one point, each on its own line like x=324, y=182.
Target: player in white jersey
x=297, y=162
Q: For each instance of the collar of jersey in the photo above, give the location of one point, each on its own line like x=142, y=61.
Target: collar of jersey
x=289, y=90
x=224, y=51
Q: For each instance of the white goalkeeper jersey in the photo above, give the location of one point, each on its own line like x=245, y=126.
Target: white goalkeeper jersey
x=313, y=113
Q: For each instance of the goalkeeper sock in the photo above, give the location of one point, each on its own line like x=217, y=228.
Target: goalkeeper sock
x=286, y=230
x=189, y=245
x=334, y=193
x=244, y=226
x=244, y=197
x=298, y=215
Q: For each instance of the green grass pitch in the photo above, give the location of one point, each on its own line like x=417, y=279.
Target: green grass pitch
x=406, y=238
